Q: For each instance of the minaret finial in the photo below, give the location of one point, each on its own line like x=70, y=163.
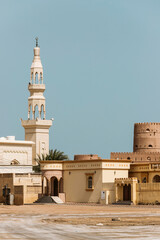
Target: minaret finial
x=36, y=41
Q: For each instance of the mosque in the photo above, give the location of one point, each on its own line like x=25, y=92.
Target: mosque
x=125, y=177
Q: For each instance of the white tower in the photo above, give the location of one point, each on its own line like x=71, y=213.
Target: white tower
x=37, y=127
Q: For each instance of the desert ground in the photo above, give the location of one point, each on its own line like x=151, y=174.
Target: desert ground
x=79, y=221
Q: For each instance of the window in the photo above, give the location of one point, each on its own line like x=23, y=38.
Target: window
x=150, y=145
x=144, y=180
x=156, y=178
x=15, y=162
x=90, y=182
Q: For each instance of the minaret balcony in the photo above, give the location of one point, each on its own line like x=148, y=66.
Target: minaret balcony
x=36, y=87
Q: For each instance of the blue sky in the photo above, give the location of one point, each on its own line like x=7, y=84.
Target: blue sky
x=101, y=61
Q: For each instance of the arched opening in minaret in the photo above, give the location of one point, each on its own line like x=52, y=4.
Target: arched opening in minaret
x=42, y=112
x=36, y=113
x=30, y=115
x=31, y=78
x=41, y=78
x=36, y=78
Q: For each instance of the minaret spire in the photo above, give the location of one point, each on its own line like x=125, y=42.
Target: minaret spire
x=36, y=88
x=36, y=41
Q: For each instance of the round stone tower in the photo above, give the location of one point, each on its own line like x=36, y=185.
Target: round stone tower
x=146, y=137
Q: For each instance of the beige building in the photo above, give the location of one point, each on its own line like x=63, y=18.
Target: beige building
x=87, y=178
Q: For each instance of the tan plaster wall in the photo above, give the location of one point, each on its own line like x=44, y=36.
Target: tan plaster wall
x=75, y=186
x=31, y=193
x=148, y=192
x=108, y=176
x=110, y=192
x=137, y=175
x=28, y=179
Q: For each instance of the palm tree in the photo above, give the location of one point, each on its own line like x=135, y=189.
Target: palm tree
x=52, y=156
x=56, y=155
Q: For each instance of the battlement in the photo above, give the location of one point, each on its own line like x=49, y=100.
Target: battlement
x=136, y=156
x=135, y=153
x=147, y=123
x=129, y=179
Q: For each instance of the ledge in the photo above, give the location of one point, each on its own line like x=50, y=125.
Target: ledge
x=89, y=189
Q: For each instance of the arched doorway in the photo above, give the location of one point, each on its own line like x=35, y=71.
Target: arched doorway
x=61, y=185
x=127, y=192
x=54, y=186
x=156, y=178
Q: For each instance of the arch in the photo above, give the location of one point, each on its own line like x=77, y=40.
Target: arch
x=14, y=162
x=42, y=111
x=30, y=112
x=90, y=182
x=128, y=158
x=41, y=77
x=36, y=78
x=31, y=81
x=54, y=186
x=36, y=112
x=144, y=180
x=150, y=145
x=147, y=130
x=156, y=178
x=61, y=185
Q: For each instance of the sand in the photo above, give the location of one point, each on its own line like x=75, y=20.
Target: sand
x=79, y=222
x=89, y=214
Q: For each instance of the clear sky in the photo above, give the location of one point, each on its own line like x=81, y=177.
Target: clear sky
x=101, y=61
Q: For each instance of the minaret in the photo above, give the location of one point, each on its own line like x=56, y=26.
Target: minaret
x=37, y=127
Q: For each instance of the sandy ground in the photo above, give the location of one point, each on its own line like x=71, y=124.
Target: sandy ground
x=89, y=222
x=89, y=214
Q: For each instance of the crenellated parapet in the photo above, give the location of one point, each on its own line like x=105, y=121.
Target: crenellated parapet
x=136, y=156
x=125, y=181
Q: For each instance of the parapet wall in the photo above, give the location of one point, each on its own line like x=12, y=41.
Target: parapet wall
x=86, y=157
x=136, y=156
